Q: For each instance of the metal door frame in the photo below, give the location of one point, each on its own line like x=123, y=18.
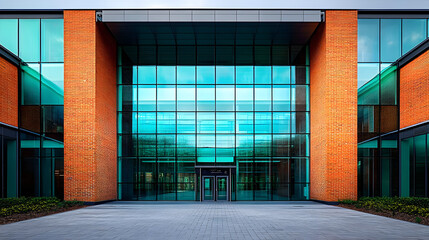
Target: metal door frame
x=213, y=189
x=227, y=188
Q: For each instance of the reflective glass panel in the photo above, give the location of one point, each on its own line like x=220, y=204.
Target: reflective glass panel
x=413, y=33
x=368, y=40
x=29, y=40
x=52, y=33
x=9, y=34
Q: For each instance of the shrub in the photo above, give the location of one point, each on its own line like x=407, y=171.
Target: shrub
x=9, y=206
x=409, y=205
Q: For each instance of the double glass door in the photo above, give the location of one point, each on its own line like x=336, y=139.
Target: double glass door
x=215, y=188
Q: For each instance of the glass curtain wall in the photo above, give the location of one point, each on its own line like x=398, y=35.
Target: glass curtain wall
x=380, y=43
x=415, y=166
x=39, y=43
x=239, y=106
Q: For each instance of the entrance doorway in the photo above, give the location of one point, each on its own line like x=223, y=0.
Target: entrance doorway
x=215, y=183
x=215, y=188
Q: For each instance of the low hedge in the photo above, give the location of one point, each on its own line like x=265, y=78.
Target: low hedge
x=9, y=206
x=410, y=205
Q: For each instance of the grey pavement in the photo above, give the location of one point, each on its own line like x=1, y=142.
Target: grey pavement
x=233, y=220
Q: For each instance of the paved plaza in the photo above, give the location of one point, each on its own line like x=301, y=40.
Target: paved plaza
x=236, y=220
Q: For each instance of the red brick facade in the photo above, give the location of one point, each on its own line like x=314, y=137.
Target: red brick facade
x=9, y=93
x=414, y=89
x=89, y=109
x=333, y=108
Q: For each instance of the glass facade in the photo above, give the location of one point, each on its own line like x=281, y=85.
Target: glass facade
x=380, y=43
x=212, y=106
x=39, y=43
x=415, y=166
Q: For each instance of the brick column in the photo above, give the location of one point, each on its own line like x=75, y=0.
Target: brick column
x=333, y=108
x=89, y=109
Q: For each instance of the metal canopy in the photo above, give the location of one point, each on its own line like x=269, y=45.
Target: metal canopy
x=212, y=33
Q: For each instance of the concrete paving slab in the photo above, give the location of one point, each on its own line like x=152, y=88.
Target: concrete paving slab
x=228, y=220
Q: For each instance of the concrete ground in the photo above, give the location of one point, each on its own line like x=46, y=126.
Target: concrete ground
x=236, y=220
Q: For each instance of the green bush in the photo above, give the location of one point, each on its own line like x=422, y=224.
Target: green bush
x=9, y=206
x=409, y=205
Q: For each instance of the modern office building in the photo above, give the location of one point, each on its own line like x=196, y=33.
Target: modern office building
x=214, y=104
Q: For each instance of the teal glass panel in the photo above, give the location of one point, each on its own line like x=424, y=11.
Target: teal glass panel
x=244, y=145
x=244, y=74
x=420, y=165
x=166, y=75
x=369, y=93
x=281, y=98
x=166, y=145
x=245, y=179
x=225, y=122
x=205, y=75
x=262, y=179
x=185, y=74
x=225, y=75
x=281, y=74
x=262, y=98
x=366, y=72
x=225, y=98
x=146, y=180
x=300, y=122
x=127, y=75
x=186, y=179
x=225, y=146
x=244, y=97
x=413, y=33
x=127, y=122
x=281, y=145
x=300, y=98
x=368, y=40
x=146, y=122
x=146, y=74
x=206, y=146
x=185, y=122
x=166, y=179
x=263, y=122
x=244, y=122
x=147, y=145
x=390, y=40
x=299, y=145
x=166, y=98
x=10, y=165
x=300, y=75
x=281, y=122
x=407, y=152
x=388, y=86
x=147, y=97
x=9, y=34
x=186, y=144
x=205, y=122
x=127, y=98
x=186, y=98
x=205, y=98
x=166, y=122
x=263, y=145
x=262, y=74
x=30, y=88
x=52, y=37
x=29, y=40
x=52, y=83
x=281, y=178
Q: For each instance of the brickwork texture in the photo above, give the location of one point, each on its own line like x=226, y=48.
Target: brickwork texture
x=333, y=108
x=414, y=89
x=9, y=93
x=89, y=109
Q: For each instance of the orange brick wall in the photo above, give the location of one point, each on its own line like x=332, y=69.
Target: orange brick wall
x=89, y=109
x=414, y=89
x=9, y=93
x=333, y=108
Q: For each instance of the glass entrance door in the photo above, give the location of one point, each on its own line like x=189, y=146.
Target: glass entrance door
x=222, y=188
x=208, y=189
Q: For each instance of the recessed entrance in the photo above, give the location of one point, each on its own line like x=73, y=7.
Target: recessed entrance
x=215, y=184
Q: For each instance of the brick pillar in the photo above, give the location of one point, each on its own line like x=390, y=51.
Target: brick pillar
x=9, y=93
x=89, y=109
x=333, y=108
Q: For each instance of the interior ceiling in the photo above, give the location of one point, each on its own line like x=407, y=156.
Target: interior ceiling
x=212, y=33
